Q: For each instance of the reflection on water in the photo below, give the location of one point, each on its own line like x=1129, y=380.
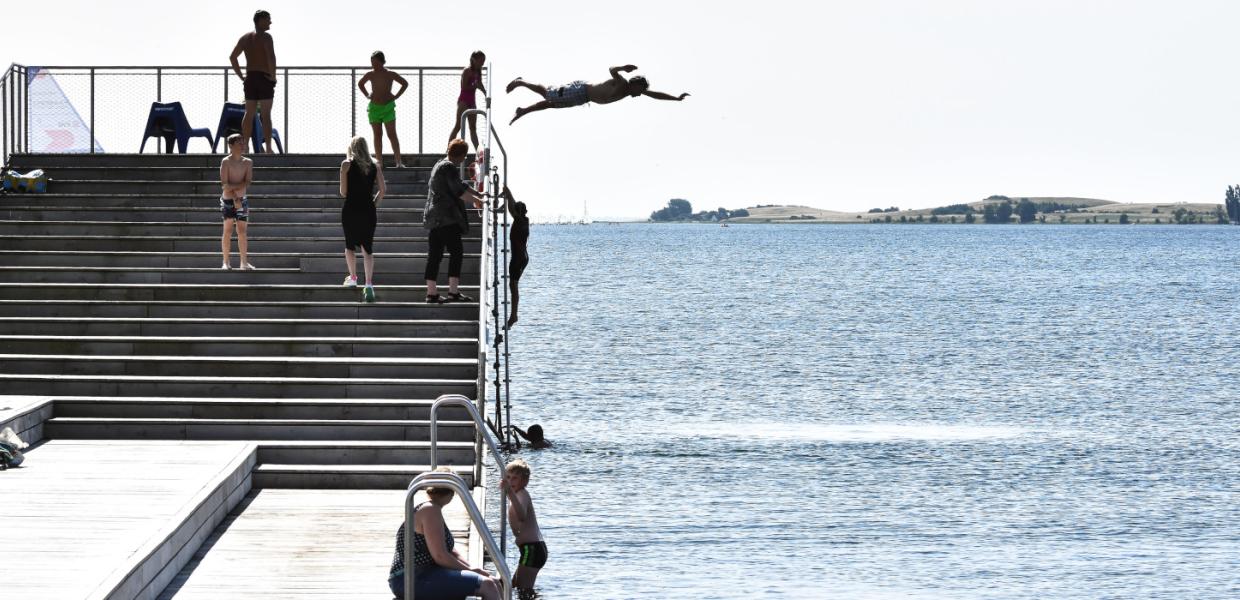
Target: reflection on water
x=883, y=412
x=856, y=433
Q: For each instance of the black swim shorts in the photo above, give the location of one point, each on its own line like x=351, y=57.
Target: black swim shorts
x=533, y=555
x=258, y=86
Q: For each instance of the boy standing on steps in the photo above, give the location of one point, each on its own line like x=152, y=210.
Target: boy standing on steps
x=236, y=174
x=381, y=112
x=524, y=523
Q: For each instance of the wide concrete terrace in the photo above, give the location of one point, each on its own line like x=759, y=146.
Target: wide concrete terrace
x=207, y=433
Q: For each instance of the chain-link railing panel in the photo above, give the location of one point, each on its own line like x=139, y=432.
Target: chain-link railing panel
x=441, y=90
x=63, y=124
x=319, y=107
x=122, y=104
x=201, y=94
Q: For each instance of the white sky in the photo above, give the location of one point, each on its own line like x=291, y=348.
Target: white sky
x=837, y=105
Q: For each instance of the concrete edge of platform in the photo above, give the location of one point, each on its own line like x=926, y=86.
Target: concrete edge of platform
x=26, y=416
x=152, y=567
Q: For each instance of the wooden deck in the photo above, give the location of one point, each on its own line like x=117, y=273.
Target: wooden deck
x=79, y=513
x=286, y=543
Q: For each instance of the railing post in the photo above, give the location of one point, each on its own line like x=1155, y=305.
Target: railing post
x=159, y=84
x=353, y=96
x=286, y=82
x=92, y=110
x=4, y=120
x=227, y=76
x=26, y=121
x=420, y=97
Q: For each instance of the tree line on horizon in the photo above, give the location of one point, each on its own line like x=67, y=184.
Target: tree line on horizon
x=679, y=209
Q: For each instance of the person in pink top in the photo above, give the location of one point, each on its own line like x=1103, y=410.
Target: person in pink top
x=471, y=82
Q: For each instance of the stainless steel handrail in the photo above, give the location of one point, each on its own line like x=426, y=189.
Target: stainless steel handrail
x=459, y=400
x=457, y=484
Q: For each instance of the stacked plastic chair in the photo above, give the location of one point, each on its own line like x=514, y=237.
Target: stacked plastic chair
x=231, y=117
x=168, y=121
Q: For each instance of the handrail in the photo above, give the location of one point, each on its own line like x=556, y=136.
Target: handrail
x=202, y=84
x=229, y=67
x=457, y=484
x=459, y=400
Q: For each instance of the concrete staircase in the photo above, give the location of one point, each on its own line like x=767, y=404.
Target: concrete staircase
x=112, y=303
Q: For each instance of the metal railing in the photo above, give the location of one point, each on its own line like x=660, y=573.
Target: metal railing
x=459, y=400
x=499, y=289
x=450, y=480
x=13, y=129
x=316, y=108
x=492, y=312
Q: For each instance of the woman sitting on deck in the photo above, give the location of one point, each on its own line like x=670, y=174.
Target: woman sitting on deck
x=439, y=571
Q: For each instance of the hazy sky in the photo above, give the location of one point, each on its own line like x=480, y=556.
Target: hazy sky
x=837, y=105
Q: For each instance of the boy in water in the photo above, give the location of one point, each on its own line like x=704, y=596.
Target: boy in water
x=534, y=436
x=236, y=174
x=260, y=75
x=580, y=92
x=518, y=235
x=381, y=112
x=524, y=524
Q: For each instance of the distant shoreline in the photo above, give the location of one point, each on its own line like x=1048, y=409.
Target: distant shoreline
x=991, y=211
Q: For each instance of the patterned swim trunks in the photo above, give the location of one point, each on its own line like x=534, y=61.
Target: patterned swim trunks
x=573, y=94
x=228, y=211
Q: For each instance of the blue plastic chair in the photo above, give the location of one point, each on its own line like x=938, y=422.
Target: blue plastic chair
x=168, y=121
x=230, y=122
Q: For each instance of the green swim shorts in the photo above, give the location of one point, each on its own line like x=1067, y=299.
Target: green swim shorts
x=381, y=113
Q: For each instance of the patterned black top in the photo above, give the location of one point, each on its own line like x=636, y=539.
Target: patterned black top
x=421, y=555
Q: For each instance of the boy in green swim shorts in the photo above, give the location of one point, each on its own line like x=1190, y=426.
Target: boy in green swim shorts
x=381, y=112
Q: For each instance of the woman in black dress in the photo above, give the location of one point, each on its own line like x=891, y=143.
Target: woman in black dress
x=359, y=216
x=358, y=172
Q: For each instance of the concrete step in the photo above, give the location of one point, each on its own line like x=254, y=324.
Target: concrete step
x=323, y=347
x=319, y=262
x=212, y=173
x=389, y=477
x=331, y=231
x=267, y=429
x=234, y=387
x=227, y=312
x=364, y=453
x=215, y=275
x=299, y=367
x=258, y=188
x=47, y=161
x=54, y=326
x=239, y=292
x=328, y=409
x=211, y=243
x=207, y=213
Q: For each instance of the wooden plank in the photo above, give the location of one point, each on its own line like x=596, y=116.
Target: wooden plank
x=283, y=543
x=81, y=509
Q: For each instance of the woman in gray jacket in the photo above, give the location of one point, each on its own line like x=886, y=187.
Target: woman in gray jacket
x=447, y=219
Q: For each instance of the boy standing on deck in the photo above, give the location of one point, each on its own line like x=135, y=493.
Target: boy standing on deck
x=524, y=524
x=381, y=112
x=260, y=75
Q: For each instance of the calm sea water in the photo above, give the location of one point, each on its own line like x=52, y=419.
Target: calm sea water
x=884, y=411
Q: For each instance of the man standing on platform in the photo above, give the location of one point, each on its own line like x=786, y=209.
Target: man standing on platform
x=260, y=75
